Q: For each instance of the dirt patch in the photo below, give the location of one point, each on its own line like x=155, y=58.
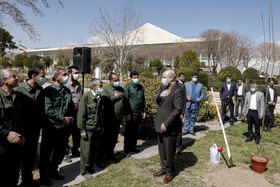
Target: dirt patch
x=239, y=177
x=209, y=122
x=277, y=177
x=259, y=159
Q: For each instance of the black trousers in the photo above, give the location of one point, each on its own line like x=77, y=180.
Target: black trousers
x=167, y=150
x=76, y=136
x=29, y=153
x=229, y=103
x=108, y=140
x=52, y=150
x=268, y=116
x=9, y=165
x=252, y=118
x=131, y=131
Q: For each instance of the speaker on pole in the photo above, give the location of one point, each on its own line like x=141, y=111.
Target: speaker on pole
x=82, y=59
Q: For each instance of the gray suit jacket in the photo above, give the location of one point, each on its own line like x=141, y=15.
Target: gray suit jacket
x=260, y=103
x=245, y=89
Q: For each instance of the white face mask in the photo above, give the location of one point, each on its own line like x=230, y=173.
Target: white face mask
x=164, y=82
x=76, y=76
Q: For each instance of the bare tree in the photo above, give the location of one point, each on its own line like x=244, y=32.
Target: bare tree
x=120, y=32
x=12, y=8
x=211, y=47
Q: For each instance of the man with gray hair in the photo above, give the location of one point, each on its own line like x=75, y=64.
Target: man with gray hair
x=90, y=123
x=254, y=109
x=11, y=137
x=168, y=124
x=59, y=109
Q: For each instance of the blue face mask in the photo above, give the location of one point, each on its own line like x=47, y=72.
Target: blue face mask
x=135, y=81
x=64, y=79
x=228, y=80
x=253, y=90
x=99, y=91
x=42, y=81
x=117, y=84
x=163, y=82
x=271, y=85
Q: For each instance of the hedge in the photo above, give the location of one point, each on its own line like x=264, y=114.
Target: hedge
x=202, y=76
x=232, y=71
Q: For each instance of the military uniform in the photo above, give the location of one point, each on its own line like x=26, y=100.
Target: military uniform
x=9, y=153
x=32, y=112
x=136, y=97
x=89, y=120
x=58, y=104
x=114, y=109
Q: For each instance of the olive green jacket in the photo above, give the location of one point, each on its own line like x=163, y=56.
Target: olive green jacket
x=7, y=118
x=114, y=108
x=32, y=106
x=89, y=117
x=135, y=94
x=58, y=104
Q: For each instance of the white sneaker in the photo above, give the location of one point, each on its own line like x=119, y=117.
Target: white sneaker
x=67, y=159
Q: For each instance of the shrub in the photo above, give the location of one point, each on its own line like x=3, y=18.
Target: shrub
x=151, y=87
x=215, y=85
x=232, y=71
x=146, y=74
x=251, y=73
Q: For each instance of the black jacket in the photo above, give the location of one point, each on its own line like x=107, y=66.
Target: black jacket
x=169, y=110
x=228, y=94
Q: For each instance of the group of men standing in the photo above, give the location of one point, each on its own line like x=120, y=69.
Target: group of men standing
x=59, y=110
x=252, y=104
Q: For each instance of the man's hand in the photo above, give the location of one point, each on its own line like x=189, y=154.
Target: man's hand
x=165, y=93
x=22, y=141
x=84, y=135
x=163, y=128
x=273, y=104
x=234, y=101
x=14, y=138
x=143, y=115
x=244, y=114
x=182, y=117
x=189, y=98
x=66, y=122
x=270, y=103
x=128, y=117
x=118, y=95
x=198, y=100
x=122, y=119
x=260, y=117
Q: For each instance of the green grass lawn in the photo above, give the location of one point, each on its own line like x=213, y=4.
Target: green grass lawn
x=193, y=167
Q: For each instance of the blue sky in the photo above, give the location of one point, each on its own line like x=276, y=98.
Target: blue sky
x=184, y=18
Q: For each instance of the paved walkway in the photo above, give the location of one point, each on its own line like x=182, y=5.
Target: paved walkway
x=71, y=170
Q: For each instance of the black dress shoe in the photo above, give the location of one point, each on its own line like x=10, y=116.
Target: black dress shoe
x=168, y=179
x=31, y=182
x=45, y=181
x=135, y=150
x=248, y=140
x=184, y=133
x=158, y=174
x=193, y=133
x=56, y=176
x=76, y=153
x=257, y=141
x=231, y=123
x=101, y=164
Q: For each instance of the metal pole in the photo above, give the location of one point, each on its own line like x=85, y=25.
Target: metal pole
x=83, y=81
x=224, y=133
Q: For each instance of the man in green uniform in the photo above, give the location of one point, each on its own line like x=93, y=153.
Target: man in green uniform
x=32, y=111
x=59, y=109
x=134, y=93
x=115, y=110
x=10, y=132
x=89, y=121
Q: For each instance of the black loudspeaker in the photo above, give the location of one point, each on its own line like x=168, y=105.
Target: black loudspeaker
x=82, y=58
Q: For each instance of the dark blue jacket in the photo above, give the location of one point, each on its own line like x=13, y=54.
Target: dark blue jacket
x=225, y=93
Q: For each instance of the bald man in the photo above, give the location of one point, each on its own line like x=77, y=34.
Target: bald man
x=170, y=102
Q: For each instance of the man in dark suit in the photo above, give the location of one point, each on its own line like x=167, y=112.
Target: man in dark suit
x=168, y=123
x=227, y=91
x=270, y=104
x=241, y=89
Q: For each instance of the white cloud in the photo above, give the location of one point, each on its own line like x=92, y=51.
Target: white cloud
x=71, y=44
